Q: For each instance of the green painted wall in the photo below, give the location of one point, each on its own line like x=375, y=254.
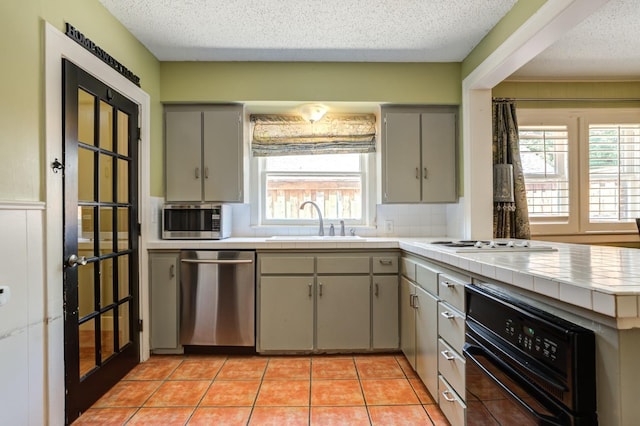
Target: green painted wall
x=311, y=81
x=517, y=16
x=570, y=90
x=22, y=83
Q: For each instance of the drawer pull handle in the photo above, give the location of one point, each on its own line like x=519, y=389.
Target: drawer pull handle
x=447, y=396
x=377, y=291
x=448, y=315
x=386, y=262
x=320, y=286
x=447, y=284
x=310, y=289
x=197, y=173
x=447, y=355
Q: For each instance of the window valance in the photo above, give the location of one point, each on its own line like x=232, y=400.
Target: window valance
x=292, y=135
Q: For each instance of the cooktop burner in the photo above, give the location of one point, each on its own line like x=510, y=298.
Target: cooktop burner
x=462, y=246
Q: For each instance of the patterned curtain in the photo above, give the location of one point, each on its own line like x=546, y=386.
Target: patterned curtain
x=274, y=134
x=510, y=211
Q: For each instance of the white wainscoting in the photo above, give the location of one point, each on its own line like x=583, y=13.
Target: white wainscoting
x=23, y=319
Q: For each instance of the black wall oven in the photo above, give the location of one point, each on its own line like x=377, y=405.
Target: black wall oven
x=525, y=366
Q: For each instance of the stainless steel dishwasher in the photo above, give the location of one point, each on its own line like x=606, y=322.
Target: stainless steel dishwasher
x=217, y=291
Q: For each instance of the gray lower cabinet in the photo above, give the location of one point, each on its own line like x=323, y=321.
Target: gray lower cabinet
x=164, y=280
x=432, y=309
x=344, y=312
x=384, y=317
x=286, y=313
x=327, y=302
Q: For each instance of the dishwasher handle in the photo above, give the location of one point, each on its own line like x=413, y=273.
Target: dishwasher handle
x=218, y=261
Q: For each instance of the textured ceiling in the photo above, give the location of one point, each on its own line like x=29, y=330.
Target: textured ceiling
x=604, y=46
x=298, y=30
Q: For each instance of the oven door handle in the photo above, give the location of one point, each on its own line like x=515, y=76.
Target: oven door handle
x=469, y=351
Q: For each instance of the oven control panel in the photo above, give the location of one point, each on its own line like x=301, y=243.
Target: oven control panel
x=532, y=339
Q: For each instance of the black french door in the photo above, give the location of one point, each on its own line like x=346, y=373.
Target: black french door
x=100, y=228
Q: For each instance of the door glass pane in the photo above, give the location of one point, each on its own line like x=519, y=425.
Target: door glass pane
x=86, y=289
x=106, y=126
x=106, y=341
x=85, y=117
x=106, y=178
x=123, y=276
x=123, y=228
x=106, y=282
x=85, y=230
x=125, y=324
x=123, y=181
x=87, y=347
x=106, y=229
x=85, y=175
x=123, y=133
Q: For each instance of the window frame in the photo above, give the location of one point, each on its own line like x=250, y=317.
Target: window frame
x=577, y=122
x=258, y=194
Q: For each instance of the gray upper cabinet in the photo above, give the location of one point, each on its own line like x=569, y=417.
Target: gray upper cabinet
x=419, y=155
x=203, y=153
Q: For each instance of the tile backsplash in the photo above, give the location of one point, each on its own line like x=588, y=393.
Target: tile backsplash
x=407, y=220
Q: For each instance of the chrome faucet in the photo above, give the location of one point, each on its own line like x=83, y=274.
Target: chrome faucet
x=321, y=231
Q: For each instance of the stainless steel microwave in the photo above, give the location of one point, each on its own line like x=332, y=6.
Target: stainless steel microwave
x=203, y=221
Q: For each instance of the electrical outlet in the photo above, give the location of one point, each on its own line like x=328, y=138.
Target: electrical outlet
x=5, y=294
x=388, y=226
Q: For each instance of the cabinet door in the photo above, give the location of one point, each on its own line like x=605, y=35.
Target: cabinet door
x=183, y=155
x=439, y=157
x=344, y=314
x=401, y=158
x=222, y=139
x=164, y=300
x=407, y=321
x=427, y=339
x=286, y=313
x=385, y=319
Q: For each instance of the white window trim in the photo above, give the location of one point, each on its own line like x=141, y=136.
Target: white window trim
x=257, y=186
x=577, y=122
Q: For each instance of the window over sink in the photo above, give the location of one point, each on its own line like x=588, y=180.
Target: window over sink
x=337, y=183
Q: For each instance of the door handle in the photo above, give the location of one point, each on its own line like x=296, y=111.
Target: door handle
x=74, y=260
x=310, y=289
x=377, y=291
x=448, y=315
x=417, y=173
x=206, y=173
x=320, y=289
x=425, y=173
x=447, y=395
x=172, y=271
x=197, y=172
x=447, y=355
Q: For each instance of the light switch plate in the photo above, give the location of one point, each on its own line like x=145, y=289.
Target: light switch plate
x=5, y=294
x=388, y=226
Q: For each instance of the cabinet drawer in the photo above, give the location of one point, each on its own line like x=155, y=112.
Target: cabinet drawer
x=450, y=403
x=451, y=326
x=451, y=289
x=385, y=264
x=408, y=268
x=286, y=265
x=451, y=366
x=427, y=278
x=343, y=265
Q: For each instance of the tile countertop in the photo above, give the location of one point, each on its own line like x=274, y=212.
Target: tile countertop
x=598, y=278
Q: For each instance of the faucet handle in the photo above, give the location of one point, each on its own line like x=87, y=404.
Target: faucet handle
x=332, y=230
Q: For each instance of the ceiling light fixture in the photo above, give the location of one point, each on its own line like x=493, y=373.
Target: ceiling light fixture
x=312, y=112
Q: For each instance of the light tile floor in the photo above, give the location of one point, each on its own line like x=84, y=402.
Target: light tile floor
x=274, y=390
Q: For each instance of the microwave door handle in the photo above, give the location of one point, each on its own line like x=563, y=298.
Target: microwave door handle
x=218, y=261
x=469, y=350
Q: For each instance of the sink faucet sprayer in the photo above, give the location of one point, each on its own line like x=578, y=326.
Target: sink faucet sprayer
x=321, y=231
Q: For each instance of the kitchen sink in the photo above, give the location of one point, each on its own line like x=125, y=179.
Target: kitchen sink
x=316, y=238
